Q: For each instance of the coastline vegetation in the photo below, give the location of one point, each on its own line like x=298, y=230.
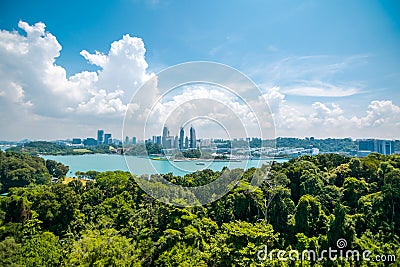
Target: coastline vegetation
x=48, y=148
x=344, y=145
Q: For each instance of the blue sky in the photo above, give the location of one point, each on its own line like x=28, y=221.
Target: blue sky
x=319, y=54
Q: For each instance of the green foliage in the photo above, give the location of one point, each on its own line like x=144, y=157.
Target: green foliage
x=341, y=226
x=42, y=147
x=48, y=148
x=136, y=150
x=306, y=203
x=91, y=175
x=191, y=153
x=309, y=217
x=353, y=189
x=391, y=196
x=18, y=170
x=326, y=145
x=56, y=169
x=42, y=249
x=102, y=248
x=152, y=148
x=10, y=252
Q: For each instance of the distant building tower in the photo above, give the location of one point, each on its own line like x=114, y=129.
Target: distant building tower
x=134, y=140
x=186, y=142
x=176, y=142
x=126, y=140
x=107, y=139
x=366, y=146
x=165, y=134
x=158, y=140
x=192, y=139
x=181, y=138
x=385, y=147
x=100, y=137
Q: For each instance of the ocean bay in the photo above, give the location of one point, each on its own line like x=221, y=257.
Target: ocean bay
x=144, y=165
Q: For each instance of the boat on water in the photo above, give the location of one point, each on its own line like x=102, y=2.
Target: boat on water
x=158, y=158
x=200, y=163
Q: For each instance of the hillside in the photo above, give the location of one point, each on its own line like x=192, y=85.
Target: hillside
x=309, y=203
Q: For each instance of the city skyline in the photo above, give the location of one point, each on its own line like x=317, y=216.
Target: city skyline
x=168, y=144
x=182, y=141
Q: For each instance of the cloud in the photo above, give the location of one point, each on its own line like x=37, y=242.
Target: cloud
x=322, y=111
x=381, y=119
x=28, y=69
x=124, y=67
x=313, y=76
x=320, y=89
x=313, y=67
x=274, y=98
x=381, y=113
x=34, y=86
x=210, y=104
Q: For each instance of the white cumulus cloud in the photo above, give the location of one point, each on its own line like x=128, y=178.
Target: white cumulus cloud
x=381, y=119
x=33, y=86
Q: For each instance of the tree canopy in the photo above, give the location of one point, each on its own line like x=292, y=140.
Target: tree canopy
x=306, y=203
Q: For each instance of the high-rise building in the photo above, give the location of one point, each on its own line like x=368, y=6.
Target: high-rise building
x=107, y=138
x=165, y=134
x=158, y=140
x=126, y=140
x=134, y=140
x=186, y=142
x=192, y=138
x=176, y=142
x=165, y=131
x=385, y=147
x=366, y=145
x=100, y=137
x=181, y=138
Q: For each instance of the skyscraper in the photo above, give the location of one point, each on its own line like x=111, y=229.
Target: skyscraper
x=176, y=142
x=165, y=134
x=192, y=138
x=100, y=137
x=158, y=140
x=186, y=142
x=181, y=138
x=107, y=138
